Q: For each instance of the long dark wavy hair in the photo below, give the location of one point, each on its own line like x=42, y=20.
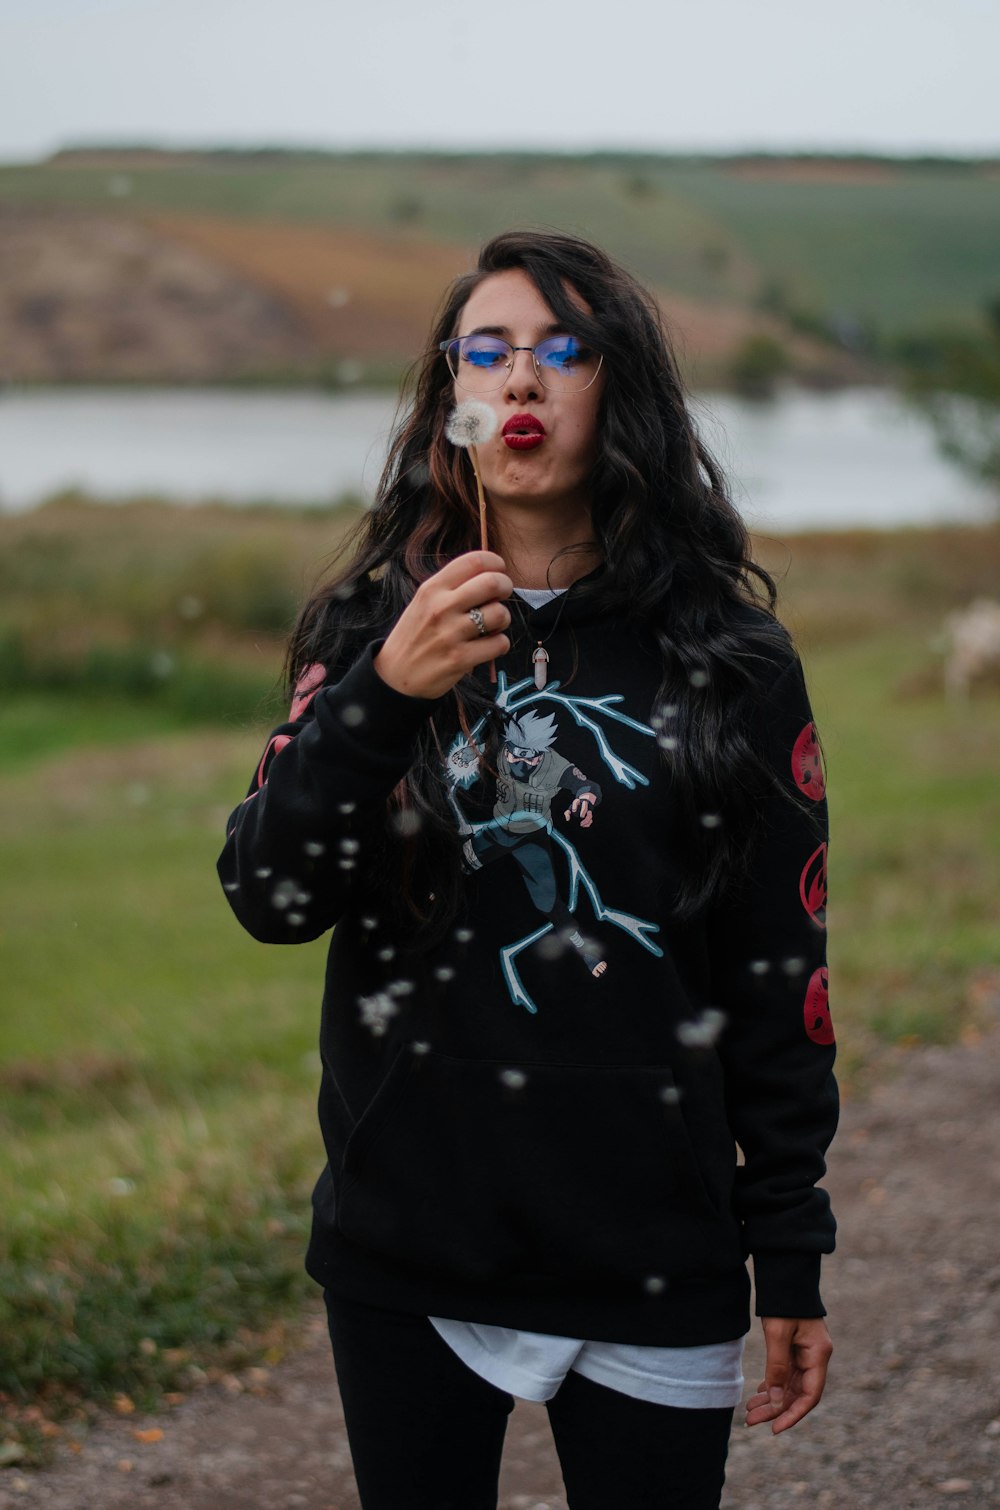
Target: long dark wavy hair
x=676, y=560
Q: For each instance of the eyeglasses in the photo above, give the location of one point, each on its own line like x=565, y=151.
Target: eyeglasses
x=481, y=364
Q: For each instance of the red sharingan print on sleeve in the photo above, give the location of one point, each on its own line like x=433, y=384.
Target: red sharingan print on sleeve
x=807, y=764
x=812, y=886
x=816, y=1008
x=306, y=688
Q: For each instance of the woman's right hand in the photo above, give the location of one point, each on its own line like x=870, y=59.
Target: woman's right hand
x=434, y=643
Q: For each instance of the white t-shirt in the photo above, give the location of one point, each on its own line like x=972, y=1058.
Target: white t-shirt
x=532, y=1365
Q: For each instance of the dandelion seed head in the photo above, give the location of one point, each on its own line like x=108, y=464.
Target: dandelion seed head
x=471, y=423
x=514, y=1080
x=702, y=1031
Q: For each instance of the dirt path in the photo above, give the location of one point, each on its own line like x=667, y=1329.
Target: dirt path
x=911, y=1420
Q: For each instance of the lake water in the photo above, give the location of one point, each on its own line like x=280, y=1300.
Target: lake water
x=806, y=461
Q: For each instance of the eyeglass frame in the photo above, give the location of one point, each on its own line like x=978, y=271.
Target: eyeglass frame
x=454, y=340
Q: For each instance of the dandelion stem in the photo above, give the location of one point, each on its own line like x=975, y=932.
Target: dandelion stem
x=482, y=526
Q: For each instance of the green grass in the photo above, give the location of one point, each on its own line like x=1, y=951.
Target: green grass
x=158, y=1068
x=902, y=255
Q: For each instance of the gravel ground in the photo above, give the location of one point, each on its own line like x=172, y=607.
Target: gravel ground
x=910, y=1420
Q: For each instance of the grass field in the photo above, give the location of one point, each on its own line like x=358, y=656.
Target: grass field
x=899, y=246
x=158, y=1068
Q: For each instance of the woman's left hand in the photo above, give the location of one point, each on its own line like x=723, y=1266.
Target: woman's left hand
x=798, y=1355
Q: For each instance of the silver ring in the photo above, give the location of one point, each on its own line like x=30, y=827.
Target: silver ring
x=476, y=615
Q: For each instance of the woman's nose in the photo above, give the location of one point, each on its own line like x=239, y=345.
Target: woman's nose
x=522, y=380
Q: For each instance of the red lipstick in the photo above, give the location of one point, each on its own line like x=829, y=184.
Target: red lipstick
x=523, y=432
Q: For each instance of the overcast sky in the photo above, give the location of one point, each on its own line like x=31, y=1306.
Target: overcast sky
x=716, y=75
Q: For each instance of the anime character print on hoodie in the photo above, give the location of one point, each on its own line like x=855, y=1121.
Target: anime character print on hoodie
x=534, y=1123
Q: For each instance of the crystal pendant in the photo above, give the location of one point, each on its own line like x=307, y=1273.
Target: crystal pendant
x=540, y=658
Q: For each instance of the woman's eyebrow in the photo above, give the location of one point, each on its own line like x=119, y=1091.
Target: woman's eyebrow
x=555, y=329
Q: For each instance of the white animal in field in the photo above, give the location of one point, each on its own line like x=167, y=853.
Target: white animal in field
x=974, y=640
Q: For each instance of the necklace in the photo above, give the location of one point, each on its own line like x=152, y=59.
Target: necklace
x=540, y=656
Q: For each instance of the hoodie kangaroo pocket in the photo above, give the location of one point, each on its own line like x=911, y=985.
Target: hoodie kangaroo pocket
x=480, y=1171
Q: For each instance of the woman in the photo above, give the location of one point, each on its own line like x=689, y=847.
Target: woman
x=579, y=949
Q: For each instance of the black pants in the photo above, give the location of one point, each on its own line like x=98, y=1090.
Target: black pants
x=426, y=1432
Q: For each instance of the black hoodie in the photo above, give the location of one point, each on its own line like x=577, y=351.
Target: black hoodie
x=535, y=1124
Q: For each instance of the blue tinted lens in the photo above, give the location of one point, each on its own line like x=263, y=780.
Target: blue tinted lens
x=485, y=352
x=562, y=354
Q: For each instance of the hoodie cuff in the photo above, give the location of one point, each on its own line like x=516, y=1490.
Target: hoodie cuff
x=786, y=1283
x=376, y=710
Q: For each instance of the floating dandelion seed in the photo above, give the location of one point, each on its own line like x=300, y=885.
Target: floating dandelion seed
x=471, y=423
x=344, y=591
x=263, y=873
x=296, y=919
x=420, y=1047
x=376, y=1011
x=760, y=966
x=314, y=848
x=386, y=953
x=368, y=922
x=303, y=898
x=698, y=677
x=399, y=987
x=654, y=1284
x=346, y=807
x=793, y=966
x=670, y=1095
x=284, y=894
x=463, y=935
x=406, y=822
x=553, y=945
x=514, y=1080
x=702, y=1032
x=347, y=864
x=352, y=715
x=230, y=885
x=121, y=1187
x=667, y=741
x=349, y=846
x=709, y=820
x=444, y=972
